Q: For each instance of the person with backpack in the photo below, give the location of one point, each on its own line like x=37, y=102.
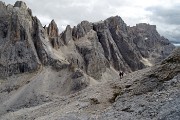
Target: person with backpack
x=121, y=73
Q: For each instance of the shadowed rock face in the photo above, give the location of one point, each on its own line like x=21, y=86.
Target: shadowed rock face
x=125, y=46
x=169, y=68
x=118, y=31
x=149, y=43
x=17, y=50
x=82, y=29
x=24, y=42
x=67, y=35
x=52, y=31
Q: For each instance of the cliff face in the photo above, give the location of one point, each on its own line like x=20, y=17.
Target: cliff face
x=92, y=47
x=17, y=53
x=59, y=67
x=149, y=43
x=124, y=48
x=25, y=45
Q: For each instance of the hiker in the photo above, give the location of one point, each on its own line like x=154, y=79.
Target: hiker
x=121, y=73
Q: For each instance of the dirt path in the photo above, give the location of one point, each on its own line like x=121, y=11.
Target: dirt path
x=92, y=100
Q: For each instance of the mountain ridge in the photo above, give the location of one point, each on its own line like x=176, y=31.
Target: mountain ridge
x=109, y=36
x=45, y=74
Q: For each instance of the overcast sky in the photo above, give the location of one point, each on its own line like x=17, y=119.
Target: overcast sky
x=163, y=13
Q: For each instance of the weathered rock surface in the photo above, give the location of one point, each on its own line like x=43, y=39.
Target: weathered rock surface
x=111, y=51
x=52, y=31
x=17, y=51
x=67, y=35
x=47, y=75
x=153, y=96
x=139, y=95
x=100, y=45
x=92, y=53
x=126, y=47
x=24, y=42
x=82, y=29
x=149, y=43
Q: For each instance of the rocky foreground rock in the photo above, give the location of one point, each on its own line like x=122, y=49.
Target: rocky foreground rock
x=45, y=74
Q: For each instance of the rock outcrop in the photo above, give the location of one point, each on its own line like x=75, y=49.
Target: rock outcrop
x=115, y=42
x=52, y=31
x=93, y=54
x=82, y=29
x=24, y=42
x=67, y=35
x=149, y=43
x=153, y=96
x=17, y=52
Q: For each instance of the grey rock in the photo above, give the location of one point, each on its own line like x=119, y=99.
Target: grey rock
x=67, y=35
x=150, y=97
x=18, y=53
x=109, y=45
x=118, y=30
x=169, y=68
x=93, y=55
x=20, y=4
x=111, y=51
x=63, y=70
x=82, y=29
x=25, y=45
x=149, y=43
x=52, y=31
x=77, y=81
x=116, y=22
x=174, y=57
x=42, y=45
x=125, y=47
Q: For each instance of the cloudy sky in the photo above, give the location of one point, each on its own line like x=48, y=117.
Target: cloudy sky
x=163, y=13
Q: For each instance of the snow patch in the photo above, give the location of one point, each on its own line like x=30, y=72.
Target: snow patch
x=145, y=38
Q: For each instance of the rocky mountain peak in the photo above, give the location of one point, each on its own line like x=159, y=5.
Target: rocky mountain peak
x=52, y=29
x=116, y=22
x=67, y=34
x=20, y=4
x=145, y=25
x=142, y=27
x=82, y=29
